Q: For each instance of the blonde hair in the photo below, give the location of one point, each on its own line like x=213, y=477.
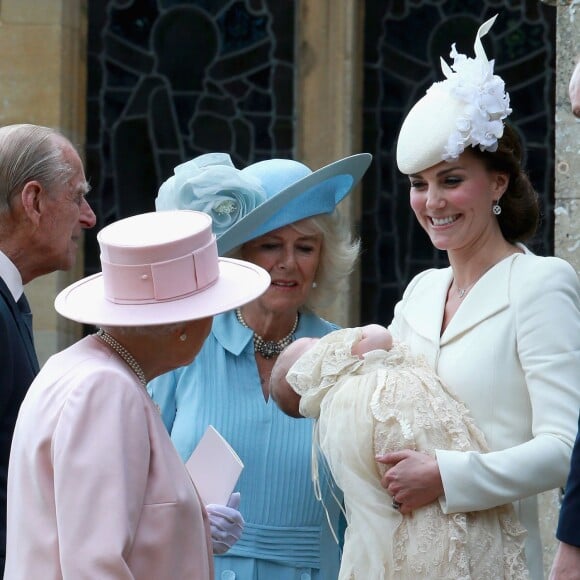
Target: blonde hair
x=340, y=250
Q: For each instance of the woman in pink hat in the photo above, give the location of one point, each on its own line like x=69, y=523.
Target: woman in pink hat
x=95, y=486
x=280, y=215
x=500, y=326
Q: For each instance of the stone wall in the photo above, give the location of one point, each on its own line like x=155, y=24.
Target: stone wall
x=567, y=206
x=43, y=80
x=567, y=200
x=330, y=63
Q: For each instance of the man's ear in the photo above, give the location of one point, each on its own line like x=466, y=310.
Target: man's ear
x=31, y=197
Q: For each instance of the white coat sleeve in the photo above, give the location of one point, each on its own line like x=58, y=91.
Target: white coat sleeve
x=547, y=311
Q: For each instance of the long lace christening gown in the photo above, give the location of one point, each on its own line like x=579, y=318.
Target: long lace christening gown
x=391, y=401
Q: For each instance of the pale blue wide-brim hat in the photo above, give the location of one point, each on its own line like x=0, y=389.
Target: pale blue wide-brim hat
x=267, y=195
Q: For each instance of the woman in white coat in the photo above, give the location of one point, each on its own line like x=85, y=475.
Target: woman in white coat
x=500, y=326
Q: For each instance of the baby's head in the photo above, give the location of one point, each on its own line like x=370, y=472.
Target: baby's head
x=280, y=390
x=374, y=336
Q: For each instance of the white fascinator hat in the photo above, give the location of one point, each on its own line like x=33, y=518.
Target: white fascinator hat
x=467, y=109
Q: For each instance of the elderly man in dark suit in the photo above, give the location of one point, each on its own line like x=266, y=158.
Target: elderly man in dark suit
x=43, y=211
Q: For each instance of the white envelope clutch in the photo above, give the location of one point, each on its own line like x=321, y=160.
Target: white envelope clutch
x=214, y=468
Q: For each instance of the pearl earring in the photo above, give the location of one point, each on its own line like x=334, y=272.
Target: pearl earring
x=496, y=208
x=183, y=337
x=314, y=284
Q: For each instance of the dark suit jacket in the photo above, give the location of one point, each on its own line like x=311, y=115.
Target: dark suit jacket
x=568, y=524
x=18, y=367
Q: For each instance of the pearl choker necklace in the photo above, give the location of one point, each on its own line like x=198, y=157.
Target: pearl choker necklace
x=269, y=348
x=124, y=354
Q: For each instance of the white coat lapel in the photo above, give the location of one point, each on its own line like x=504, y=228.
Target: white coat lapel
x=423, y=310
x=489, y=296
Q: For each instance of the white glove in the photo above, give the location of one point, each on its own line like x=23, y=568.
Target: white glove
x=226, y=522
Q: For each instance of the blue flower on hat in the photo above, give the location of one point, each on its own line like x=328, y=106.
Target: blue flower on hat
x=211, y=183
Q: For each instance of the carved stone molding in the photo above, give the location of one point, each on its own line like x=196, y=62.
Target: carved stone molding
x=329, y=92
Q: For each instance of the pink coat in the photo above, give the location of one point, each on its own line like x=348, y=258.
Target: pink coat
x=96, y=489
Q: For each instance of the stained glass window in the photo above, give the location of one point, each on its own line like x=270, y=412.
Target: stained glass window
x=170, y=80
x=403, y=43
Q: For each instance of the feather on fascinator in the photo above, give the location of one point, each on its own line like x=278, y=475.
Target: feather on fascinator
x=467, y=109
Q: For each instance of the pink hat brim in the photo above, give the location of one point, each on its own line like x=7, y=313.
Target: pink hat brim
x=238, y=283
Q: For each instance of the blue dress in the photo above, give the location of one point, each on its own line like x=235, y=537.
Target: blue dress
x=287, y=534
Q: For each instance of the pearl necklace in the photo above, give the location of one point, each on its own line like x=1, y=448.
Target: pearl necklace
x=124, y=354
x=269, y=348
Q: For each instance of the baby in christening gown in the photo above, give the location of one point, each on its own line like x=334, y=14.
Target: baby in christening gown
x=369, y=398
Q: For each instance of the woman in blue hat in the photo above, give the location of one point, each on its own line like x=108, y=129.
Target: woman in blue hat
x=280, y=215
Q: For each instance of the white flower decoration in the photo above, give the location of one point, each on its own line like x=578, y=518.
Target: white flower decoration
x=212, y=184
x=472, y=82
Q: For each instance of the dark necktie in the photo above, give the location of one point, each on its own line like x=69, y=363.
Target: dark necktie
x=24, y=308
x=26, y=315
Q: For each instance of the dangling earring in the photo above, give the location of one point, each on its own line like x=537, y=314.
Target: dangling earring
x=496, y=208
x=314, y=284
x=183, y=337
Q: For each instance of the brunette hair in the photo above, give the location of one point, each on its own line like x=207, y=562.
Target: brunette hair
x=520, y=210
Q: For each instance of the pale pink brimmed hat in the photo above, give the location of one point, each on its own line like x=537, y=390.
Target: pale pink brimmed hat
x=160, y=268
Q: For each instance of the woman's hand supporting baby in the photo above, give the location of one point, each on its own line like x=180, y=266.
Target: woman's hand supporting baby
x=413, y=479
